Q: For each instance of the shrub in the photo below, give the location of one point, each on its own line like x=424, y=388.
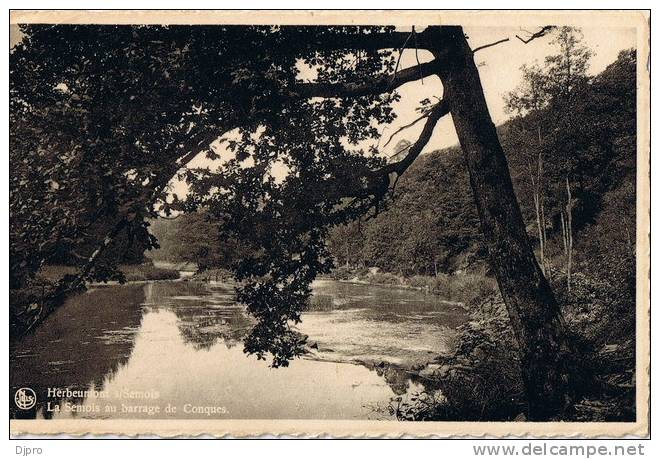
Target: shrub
x=384, y=278
x=419, y=281
x=147, y=272
x=343, y=273
x=423, y=282
x=442, y=285
x=214, y=275
x=480, y=381
x=469, y=289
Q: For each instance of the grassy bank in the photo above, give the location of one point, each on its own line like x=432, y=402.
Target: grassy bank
x=481, y=378
x=146, y=272
x=466, y=288
x=132, y=273
x=212, y=275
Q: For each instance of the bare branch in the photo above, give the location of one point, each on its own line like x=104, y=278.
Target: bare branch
x=378, y=181
x=533, y=36
x=401, y=50
x=438, y=111
x=411, y=124
x=479, y=48
x=397, y=153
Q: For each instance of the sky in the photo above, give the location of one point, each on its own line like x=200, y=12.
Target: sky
x=499, y=68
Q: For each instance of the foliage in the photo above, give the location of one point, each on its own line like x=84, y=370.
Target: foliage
x=343, y=272
x=480, y=380
x=87, y=132
x=193, y=238
x=383, y=278
x=146, y=272
x=102, y=118
x=465, y=288
x=563, y=74
x=583, y=127
x=431, y=226
x=593, y=139
x=433, y=216
x=471, y=288
x=128, y=247
x=213, y=275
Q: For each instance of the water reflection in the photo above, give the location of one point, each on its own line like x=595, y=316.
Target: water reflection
x=80, y=345
x=179, y=344
x=372, y=324
x=206, y=313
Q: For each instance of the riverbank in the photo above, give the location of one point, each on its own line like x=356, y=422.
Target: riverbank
x=141, y=272
x=29, y=306
x=120, y=331
x=465, y=288
x=481, y=379
x=211, y=275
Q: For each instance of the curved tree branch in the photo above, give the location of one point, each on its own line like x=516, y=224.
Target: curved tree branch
x=379, y=85
x=404, y=127
x=371, y=186
x=192, y=147
x=438, y=111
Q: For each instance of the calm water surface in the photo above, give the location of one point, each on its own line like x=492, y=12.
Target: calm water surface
x=145, y=350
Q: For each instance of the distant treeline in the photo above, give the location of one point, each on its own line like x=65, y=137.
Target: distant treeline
x=192, y=238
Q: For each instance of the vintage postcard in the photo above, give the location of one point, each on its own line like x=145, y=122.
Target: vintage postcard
x=329, y=223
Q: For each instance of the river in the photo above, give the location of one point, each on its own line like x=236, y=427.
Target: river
x=174, y=350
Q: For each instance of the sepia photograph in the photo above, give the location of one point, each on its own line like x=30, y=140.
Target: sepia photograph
x=357, y=223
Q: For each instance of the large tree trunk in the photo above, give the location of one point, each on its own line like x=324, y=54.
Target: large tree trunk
x=534, y=313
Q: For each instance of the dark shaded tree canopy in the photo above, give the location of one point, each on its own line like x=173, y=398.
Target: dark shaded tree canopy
x=102, y=118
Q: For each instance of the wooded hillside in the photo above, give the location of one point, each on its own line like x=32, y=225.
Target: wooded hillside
x=432, y=223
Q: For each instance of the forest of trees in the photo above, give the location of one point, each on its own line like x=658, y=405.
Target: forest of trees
x=193, y=238
x=432, y=225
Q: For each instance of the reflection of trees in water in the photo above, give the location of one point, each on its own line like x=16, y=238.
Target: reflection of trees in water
x=81, y=345
x=202, y=327
x=397, y=378
x=412, y=392
x=400, y=379
x=205, y=313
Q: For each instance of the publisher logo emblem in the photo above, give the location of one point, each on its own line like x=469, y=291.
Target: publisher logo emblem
x=25, y=398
